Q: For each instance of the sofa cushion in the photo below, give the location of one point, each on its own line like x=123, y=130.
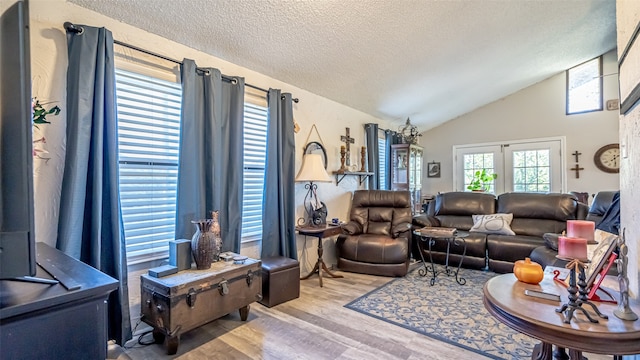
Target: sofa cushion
x=535, y=214
x=511, y=248
x=493, y=224
x=378, y=212
x=375, y=249
x=455, y=221
x=560, y=207
x=464, y=204
x=601, y=202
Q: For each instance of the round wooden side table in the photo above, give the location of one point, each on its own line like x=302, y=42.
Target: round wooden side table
x=504, y=298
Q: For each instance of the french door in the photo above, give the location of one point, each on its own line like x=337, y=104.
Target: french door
x=524, y=166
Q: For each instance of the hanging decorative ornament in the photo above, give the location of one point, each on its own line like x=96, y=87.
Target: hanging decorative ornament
x=409, y=133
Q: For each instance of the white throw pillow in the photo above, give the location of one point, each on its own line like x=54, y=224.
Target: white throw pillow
x=493, y=224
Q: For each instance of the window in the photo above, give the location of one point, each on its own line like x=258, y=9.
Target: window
x=584, y=87
x=148, y=140
x=478, y=162
x=255, y=154
x=382, y=163
x=531, y=169
x=533, y=165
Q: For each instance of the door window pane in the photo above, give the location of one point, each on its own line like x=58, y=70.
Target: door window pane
x=531, y=169
x=478, y=162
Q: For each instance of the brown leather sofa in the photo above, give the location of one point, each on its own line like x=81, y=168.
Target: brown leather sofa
x=534, y=214
x=377, y=239
x=546, y=254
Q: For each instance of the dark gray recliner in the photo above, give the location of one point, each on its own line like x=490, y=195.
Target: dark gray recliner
x=377, y=239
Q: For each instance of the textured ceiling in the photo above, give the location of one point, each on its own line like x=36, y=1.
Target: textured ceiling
x=428, y=60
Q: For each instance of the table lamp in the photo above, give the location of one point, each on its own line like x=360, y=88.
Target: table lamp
x=313, y=171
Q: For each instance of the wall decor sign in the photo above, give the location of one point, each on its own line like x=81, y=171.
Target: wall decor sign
x=433, y=169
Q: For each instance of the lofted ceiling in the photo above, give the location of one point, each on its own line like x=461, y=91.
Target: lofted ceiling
x=428, y=60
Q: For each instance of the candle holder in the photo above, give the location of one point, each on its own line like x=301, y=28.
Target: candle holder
x=362, y=158
x=576, y=301
x=343, y=152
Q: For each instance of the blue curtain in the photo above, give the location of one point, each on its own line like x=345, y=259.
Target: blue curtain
x=278, y=237
x=391, y=138
x=371, y=137
x=90, y=224
x=211, y=152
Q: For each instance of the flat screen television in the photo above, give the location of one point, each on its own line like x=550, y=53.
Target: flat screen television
x=17, y=238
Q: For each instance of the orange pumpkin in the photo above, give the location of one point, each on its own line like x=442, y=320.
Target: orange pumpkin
x=528, y=271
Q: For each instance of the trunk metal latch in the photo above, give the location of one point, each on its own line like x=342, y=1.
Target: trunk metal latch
x=249, y=278
x=223, y=287
x=191, y=298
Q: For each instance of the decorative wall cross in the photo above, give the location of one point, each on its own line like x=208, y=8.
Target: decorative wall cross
x=577, y=169
x=576, y=154
x=347, y=140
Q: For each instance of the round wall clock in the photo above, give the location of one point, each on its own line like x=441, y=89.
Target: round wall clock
x=607, y=158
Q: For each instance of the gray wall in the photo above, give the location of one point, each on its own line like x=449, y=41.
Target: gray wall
x=534, y=112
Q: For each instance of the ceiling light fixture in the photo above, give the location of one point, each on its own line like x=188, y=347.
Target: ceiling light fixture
x=409, y=133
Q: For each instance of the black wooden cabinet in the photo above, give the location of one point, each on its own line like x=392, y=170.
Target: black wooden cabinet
x=41, y=321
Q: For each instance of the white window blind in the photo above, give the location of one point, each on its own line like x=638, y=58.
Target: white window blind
x=148, y=138
x=255, y=154
x=382, y=163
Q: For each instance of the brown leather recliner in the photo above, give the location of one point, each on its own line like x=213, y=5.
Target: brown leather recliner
x=377, y=239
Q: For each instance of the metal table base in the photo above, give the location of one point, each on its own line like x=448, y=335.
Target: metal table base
x=458, y=240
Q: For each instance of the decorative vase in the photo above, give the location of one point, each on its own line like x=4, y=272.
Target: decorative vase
x=215, y=230
x=203, y=244
x=528, y=271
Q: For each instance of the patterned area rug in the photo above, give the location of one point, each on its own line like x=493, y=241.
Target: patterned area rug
x=447, y=312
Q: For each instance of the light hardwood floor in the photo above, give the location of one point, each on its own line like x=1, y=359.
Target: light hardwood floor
x=314, y=326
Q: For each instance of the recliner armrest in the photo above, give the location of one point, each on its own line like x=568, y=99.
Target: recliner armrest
x=399, y=229
x=425, y=220
x=551, y=240
x=352, y=228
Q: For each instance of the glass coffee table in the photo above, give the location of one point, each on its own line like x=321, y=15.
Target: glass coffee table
x=457, y=239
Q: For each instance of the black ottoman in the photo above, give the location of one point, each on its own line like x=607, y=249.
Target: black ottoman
x=280, y=280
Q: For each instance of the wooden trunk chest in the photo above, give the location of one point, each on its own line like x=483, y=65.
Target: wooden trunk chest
x=177, y=303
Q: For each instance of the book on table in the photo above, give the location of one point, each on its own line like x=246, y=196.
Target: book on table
x=441, y=232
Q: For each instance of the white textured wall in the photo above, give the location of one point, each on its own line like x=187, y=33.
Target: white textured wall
x=535, y=112
x=49, y=61
x=628, y=16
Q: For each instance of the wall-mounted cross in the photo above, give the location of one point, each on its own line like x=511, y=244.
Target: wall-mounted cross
x=576, y=154
x=348, y=140
x=577, y=169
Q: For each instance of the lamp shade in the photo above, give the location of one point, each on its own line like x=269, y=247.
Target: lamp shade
x=313, y=169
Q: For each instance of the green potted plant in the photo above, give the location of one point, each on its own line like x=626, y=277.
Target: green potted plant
x=481, y=181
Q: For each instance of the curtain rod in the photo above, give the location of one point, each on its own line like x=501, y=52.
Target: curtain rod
x=74, y=29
